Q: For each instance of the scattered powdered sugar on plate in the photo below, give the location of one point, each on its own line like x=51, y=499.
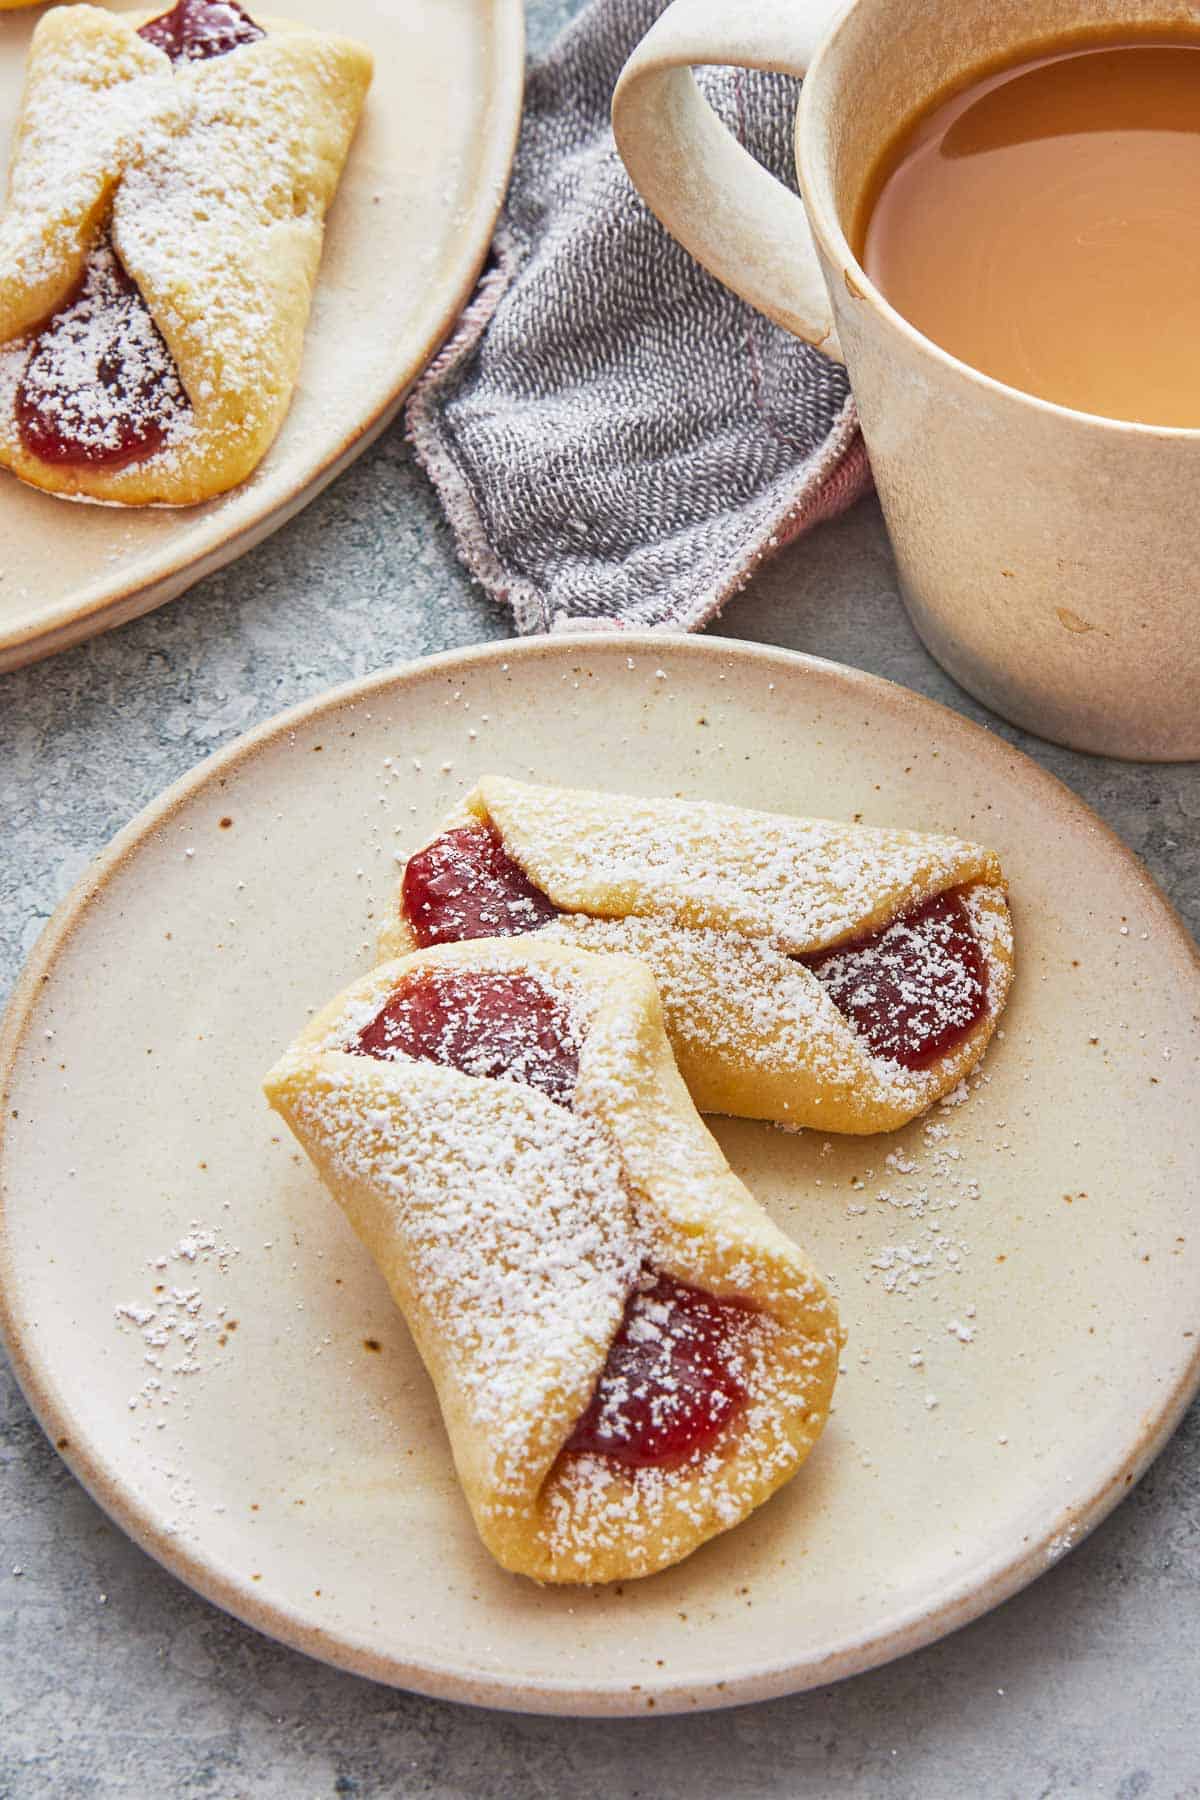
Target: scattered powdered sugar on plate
x=925, y=1186
x=924, y=1198
x=179, y=1321
x=1061, y=1542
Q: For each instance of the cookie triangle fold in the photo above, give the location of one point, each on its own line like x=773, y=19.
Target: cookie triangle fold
x=628, y=1354
x=838, y=976
x=91, y=84
x=210, y=180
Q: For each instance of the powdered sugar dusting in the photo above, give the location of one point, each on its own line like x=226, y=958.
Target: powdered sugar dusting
x=914, y=988
x=99, y=381
x=219, y=217
x=722, y=903
x=657, y=1514
x=500, y=1027
x=514, y=1231
x=90, y=85
x=1062, y=1541
x=216, y=178
x=756, y=1007
x=511, y=1217
x=673, y=1379
x=801, y=883
x=927, y=1189
x=179, y=1323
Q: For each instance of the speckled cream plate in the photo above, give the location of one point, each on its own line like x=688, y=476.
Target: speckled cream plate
x=404, y=241
x=1019, y=1275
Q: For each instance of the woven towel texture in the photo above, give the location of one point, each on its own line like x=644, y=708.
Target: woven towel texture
x=615, y=437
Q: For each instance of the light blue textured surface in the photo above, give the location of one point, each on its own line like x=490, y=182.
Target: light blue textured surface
x=115, y=1680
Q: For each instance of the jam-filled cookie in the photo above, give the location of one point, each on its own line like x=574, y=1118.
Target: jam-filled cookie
x=817, y=974
x=628, y=1354
x=159, y=246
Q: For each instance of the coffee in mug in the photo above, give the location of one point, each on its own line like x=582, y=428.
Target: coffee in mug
x=1038, y=473
x=1042, y=223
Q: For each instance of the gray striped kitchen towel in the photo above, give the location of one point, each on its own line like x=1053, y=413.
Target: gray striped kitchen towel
x=617, y=440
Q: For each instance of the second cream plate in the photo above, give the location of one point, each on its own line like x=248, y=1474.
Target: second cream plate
x=1018, y=1273
x=404, y=240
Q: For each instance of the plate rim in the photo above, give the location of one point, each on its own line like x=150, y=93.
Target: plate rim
x=956, y=1604
x=73, y=622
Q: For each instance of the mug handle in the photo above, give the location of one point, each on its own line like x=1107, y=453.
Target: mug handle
x=734, y=217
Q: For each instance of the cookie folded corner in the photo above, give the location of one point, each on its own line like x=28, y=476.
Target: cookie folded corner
x=740, y=915
x=582, y=1277
x=208, y=183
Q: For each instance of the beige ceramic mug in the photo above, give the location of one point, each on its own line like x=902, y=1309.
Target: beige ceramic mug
x=1049, y=559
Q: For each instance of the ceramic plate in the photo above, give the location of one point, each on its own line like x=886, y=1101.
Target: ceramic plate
x=1018, y=1272
x=404, y=241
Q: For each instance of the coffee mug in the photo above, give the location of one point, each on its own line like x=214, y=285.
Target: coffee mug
x=1049, y=559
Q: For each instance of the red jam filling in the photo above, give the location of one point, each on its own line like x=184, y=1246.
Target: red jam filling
x=465, y=885
x=100, y=388
x=672, y=1380
x=494, y=1026
x=913, y=989
x=194, y=30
